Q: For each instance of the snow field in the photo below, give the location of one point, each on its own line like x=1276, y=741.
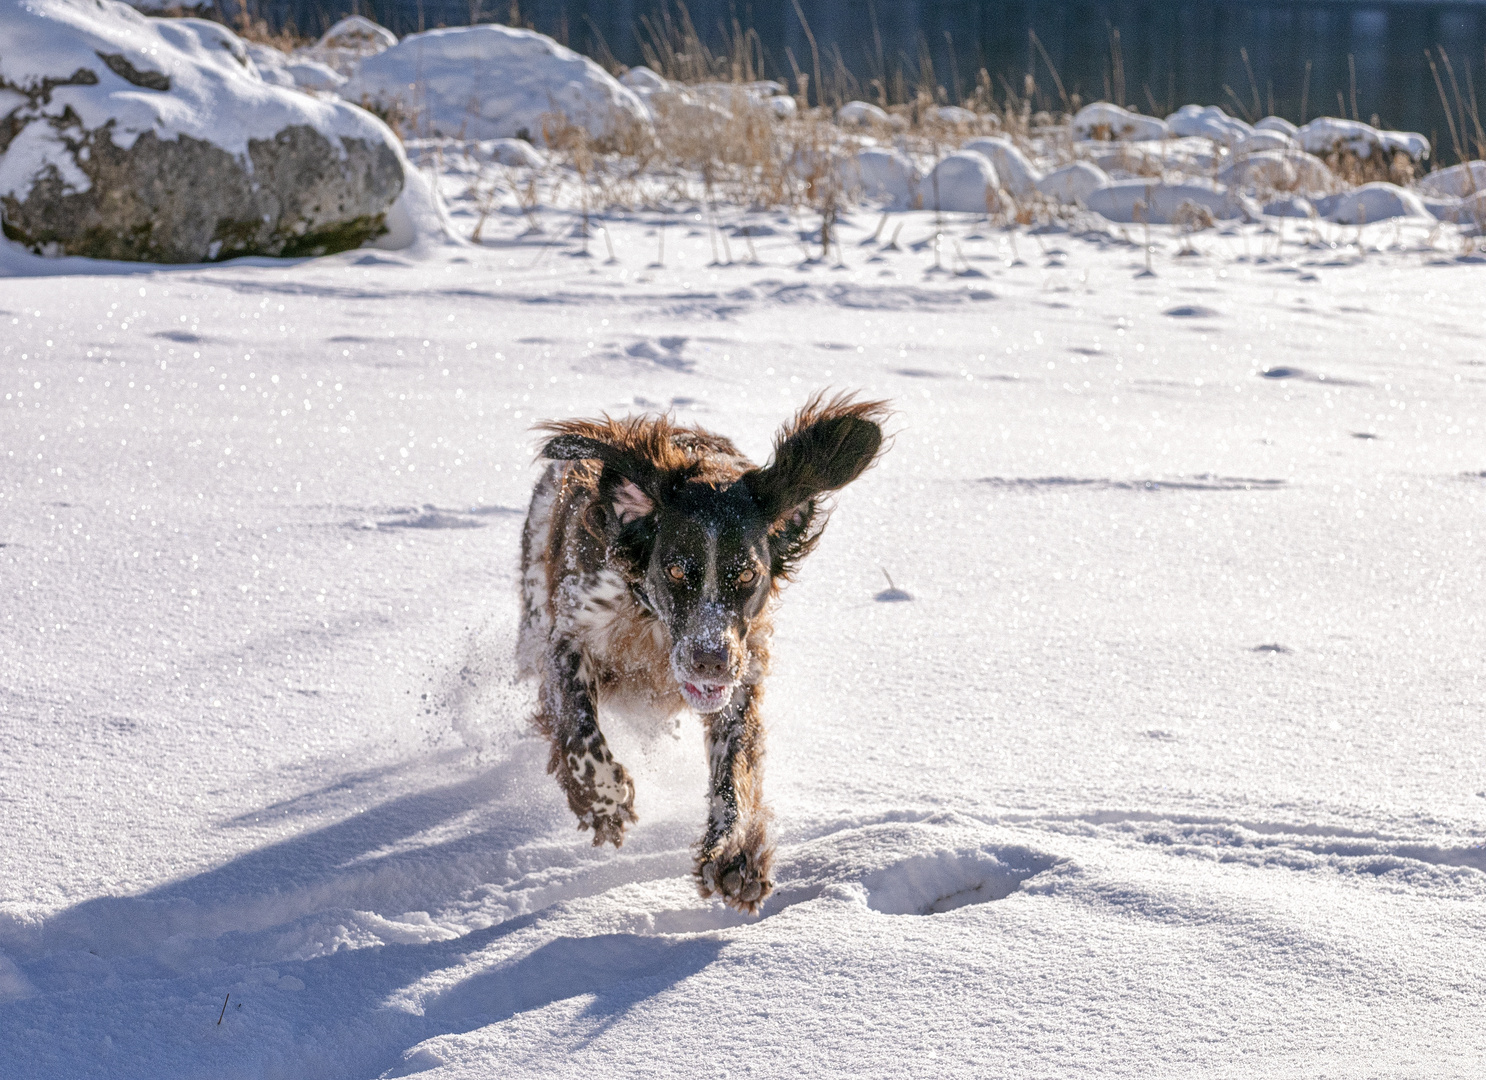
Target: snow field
x=1168, y=767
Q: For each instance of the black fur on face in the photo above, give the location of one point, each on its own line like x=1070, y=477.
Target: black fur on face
x=702, y=535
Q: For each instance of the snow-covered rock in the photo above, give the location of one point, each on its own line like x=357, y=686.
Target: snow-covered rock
x=643, y=81
x=1208, y=122
x=962, y=182
x=491, y=82
x=886, y=175
x=1326, y=134
x=1277, y=123
x=157, y=139
x=954, y=114
x=1073, y=183
x=1157, y=203
x=1266, y=139
x=1457, y=181
x=517, y=153
x=345, y=45
x=271, y=64
x=860, y=114
x=313, y=75
x=782, y=106
x=1266, y=168
x=1291, y=206
x=1105, y=121
x=283, y=69
x=1184, y=155
x=1377, y=201
x=1017, y=174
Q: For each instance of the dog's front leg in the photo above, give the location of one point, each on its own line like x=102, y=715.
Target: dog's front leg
x=735, y=857
x=599, y=789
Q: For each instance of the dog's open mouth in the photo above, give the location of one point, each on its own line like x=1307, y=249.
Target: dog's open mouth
x=706, y=697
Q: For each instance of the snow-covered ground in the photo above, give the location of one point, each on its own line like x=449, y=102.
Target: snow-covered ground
x=1170, y=766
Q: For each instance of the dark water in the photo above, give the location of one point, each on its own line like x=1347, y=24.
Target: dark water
x=1171, y=53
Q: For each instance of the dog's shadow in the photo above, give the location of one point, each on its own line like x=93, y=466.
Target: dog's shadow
x=290, y=931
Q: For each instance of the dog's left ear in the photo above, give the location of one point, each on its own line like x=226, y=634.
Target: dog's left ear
x=828, y=444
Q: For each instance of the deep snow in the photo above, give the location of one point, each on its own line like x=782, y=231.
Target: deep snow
x=1169, y=767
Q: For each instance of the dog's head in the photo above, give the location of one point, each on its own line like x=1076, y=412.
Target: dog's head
x=704, y=536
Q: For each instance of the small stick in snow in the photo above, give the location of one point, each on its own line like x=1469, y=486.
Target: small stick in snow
x=892, y=245
x=880, y=223
x=224, y=1009
x=748, y=235
x=608, y=243
x=660, y=258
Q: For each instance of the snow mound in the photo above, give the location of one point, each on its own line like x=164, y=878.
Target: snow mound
x=492, y=82
x=282, y=69
x=962, y=182
x=1277, y=123
x=313, y=75
x=1327, y=134
x=954, y=114
x=1292, y=207
x=1266, y=168
x=158, y=139
x=1377, y=201
x=1266, y=139
x=345, y=45
x=1187, y=154
x=1208, y=122
x=1106, y=122
x=860, y=114
x=643, y=81
x=514, y=152
x=1157, y=203
x=886, y=175
x=1072, y=184
x=1017, y=174
x=1456, y=182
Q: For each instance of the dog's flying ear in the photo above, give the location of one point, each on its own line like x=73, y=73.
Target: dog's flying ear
x=638, y=456
x=828, y=444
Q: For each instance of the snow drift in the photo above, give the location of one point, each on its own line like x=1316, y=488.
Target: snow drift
x=129, y=137
x=492, y=82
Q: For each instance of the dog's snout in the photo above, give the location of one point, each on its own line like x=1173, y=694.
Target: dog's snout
x=710, y=662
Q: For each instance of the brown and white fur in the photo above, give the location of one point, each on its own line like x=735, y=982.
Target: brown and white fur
x=651, y=560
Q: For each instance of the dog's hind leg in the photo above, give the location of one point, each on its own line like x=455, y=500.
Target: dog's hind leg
x=735, y=856
x=599, y=789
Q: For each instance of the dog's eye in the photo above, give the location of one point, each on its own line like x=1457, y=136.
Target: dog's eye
x=746, y=576
x=678, y=573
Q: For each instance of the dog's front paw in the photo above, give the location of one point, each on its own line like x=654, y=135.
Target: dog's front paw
x=606, y=804
x=737, y=875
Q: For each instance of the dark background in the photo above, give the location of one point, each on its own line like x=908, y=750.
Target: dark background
x=1172, y=53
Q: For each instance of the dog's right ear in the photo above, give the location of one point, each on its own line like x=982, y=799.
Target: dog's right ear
x=628, y=482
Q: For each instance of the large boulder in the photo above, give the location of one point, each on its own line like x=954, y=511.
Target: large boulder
x=128, y=137
x=495, y=82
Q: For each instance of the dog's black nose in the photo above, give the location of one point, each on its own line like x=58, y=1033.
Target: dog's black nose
x=710, y=662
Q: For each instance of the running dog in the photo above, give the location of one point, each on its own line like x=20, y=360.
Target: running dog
x=651, y=560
